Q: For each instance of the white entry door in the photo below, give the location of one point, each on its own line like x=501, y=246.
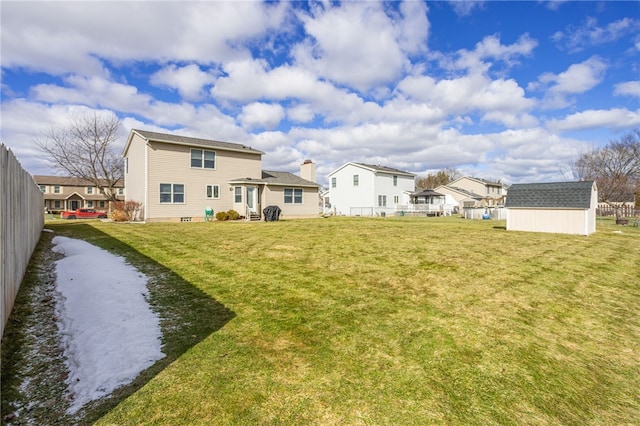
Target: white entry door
x=252, y=201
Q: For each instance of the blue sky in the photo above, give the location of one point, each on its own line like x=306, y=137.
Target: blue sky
x=499, y=90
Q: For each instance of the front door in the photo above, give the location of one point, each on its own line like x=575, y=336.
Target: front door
x=251, y=198
x=75, y=204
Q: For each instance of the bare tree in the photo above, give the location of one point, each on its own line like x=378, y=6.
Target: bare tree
x=441, y=177
x=85, y=149
x=615, y=168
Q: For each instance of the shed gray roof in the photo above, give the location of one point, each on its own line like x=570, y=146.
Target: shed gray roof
x=185, y=140
x=573, y=195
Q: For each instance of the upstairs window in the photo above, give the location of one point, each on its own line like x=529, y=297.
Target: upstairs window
x=356, y=180
x=333, y=182
x=395, y=181
x=202, y=159
x=56, y=189
x=89, y=190
x=43, y=188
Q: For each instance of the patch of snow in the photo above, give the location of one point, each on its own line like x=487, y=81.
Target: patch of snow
x=109, y=332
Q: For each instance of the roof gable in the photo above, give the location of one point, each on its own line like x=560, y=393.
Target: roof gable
x=190, y=141
x=573, y=195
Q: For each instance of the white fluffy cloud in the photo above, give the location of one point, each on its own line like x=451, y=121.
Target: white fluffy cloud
x=259, y=114
x=189, y=80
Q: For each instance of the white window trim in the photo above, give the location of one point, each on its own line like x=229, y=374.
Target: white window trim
x=213, y=196
x=184, y=193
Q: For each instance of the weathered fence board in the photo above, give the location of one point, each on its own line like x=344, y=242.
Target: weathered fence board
x=21, y=222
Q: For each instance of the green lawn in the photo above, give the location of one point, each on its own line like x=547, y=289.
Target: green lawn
x=395, y=321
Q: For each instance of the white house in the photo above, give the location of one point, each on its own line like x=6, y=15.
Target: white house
x=357, y=189
x=558, y=207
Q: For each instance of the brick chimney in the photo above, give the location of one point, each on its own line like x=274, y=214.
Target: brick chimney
x=308, y=170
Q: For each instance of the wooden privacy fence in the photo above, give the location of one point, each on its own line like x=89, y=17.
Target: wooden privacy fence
x=628, y=210
x=21, y=222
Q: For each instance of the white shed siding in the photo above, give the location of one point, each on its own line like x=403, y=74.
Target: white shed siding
x=562, y=221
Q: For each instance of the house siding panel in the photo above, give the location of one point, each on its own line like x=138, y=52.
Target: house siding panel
x=547, y=220
x=274, y=196
x=175, y=161
x=134, y=176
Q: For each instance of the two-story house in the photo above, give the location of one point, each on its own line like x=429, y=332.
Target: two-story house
x=474, y=192
x=357, y=189
x=69, y=193
x=178, y=178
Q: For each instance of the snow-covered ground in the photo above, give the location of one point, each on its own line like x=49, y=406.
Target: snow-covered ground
x=109, y=332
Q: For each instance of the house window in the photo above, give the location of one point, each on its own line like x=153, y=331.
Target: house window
x=43, y=188
x=382, y=201
x=203, y=159
x=101, y=204
x=395, y=181
x=396, y=199
x=356, y=180
x=89, y=204
x=171, y=193
x=293, y=195
x=89, y=190
x=56, y=189
x=213, y=191
x=238, y=195
x=333, y=182
x=101, y=191
x=56, y=204
x=120, y=191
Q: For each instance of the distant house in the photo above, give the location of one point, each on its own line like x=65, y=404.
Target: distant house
x=68, y=193
x=178, y=178
x=559, y=207
x=475, y=192
x=357, y=189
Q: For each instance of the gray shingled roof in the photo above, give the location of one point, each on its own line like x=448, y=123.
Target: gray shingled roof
x=286, y=178
x=573, y=195
x=184, y=140
x=277, y=178
x=385, y=169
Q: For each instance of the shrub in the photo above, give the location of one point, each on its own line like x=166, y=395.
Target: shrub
x=233, y=215
x=126, y=211
x=222, y=216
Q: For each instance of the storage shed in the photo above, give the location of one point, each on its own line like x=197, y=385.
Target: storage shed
x=558, y=207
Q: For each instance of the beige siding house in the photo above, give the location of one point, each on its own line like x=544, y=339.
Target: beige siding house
x=68, y=193
x=559, y=207
x=178, y=178
x=475, y=192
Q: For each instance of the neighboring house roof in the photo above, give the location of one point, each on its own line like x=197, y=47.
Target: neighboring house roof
x=427, y=193
x=69, y=181
x=479, y=180
x=375, y=169
x=573, y=195
x=189, y=141
x=462, y=192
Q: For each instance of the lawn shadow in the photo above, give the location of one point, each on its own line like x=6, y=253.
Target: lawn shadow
x=502, y=228
x=187, y=315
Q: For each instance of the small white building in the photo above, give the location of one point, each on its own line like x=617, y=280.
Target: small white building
x=559, y=207
x=357, y=189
